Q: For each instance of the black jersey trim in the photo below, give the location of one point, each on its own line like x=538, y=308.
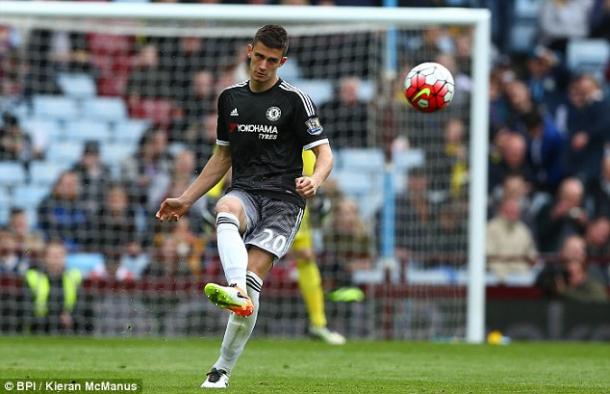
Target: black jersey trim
x=315, y=143
x=307, y=103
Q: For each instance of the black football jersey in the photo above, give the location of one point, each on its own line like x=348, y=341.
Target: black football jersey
x=266, y=133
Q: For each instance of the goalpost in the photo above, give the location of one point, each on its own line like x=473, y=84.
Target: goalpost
x=331, y=43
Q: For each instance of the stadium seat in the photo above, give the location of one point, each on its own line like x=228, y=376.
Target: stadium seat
x=84, y=130
x=78, y=86
x=11, y=174
x=355, y=183
x=64, y=153
x=5, y=204
x=45, y=173
x=367, y=90
x=369, y=160
x=129, y=131
x=588, y=55
x=29, y=196
x=49, y=128
x=320, y=91
x=409, y=159
x=87, y=263
x=116, y=153
x=368, y=205
x=55, y=107
x=105, y=109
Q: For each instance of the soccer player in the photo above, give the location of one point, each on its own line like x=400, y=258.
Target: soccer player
x=309, y=278
x=263, y=126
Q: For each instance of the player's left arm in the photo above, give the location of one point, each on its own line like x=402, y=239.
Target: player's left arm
x=307, y=186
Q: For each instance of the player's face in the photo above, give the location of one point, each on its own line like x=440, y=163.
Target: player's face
x=264, y=62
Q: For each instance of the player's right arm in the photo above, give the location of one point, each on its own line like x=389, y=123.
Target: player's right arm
x=212, y=173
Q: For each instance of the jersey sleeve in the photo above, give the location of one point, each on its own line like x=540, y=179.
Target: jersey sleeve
x=222, y=128
x=309, y=129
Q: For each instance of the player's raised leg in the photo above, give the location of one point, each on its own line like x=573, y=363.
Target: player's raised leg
x=230, y=223
x=240, y=328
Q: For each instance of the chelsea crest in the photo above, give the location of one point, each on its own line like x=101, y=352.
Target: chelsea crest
x=273, y=113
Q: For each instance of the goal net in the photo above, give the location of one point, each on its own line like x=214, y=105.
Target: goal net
x=113, y=114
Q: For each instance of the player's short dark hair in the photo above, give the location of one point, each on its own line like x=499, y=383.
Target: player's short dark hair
x=272, y=36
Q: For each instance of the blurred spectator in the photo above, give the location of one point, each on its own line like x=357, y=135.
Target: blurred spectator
x=588, y=123
x=347, y=245
x=63, y=213
x=520, y=103
x=11, y=64
x=147, y=81
x=149, y=161
x=513, y=187
x=15, y=144
x=54, y=292
x=547, y=78
x=41, y=76
x=167, y=267
x=600, y=19
x=450, y=241
x=511, y=160
x=597, y=238
x=200, y=137
x=562, y=20
x=199, y=97
x=70, y=52
x=94, y=175
x=114, y=227
x=510, y=245
x=569, y=279
x=10, y=261
x=133, y=262
x=345, y=118
x=546, y=151
x=498, y=103
x=415, y=219
x=184, y=172
x=189, y=246
x=599, y=191
x=420, y=47
x=561, y=218
x=186, y=56
x=452, y=173
x=30, y=243
x=51, y=52
x=168, y=263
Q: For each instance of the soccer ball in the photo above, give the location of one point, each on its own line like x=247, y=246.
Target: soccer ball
x=429, y=87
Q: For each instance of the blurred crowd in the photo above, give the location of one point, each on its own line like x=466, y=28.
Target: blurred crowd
x=549, y=140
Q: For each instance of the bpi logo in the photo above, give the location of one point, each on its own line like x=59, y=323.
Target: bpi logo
x=232, y=127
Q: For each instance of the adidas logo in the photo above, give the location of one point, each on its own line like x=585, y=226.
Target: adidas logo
x=234, y=112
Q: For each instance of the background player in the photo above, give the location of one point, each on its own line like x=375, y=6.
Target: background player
x=263, y=126
x=310, y=281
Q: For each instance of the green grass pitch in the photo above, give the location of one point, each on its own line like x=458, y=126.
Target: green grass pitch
x=290, y=366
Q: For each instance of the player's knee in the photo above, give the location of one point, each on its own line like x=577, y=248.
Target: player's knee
x=228, y=206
